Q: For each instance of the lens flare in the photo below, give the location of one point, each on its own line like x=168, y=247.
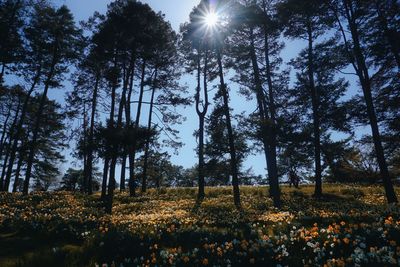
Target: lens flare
x=211, y=19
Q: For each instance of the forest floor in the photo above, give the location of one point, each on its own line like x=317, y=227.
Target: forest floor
x=351, y=225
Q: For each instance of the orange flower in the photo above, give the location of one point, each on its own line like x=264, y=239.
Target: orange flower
x=204, y=261
x=340, y=263
x=186, y=259
x=387, y=221
x=315, y=233
x=219, y=251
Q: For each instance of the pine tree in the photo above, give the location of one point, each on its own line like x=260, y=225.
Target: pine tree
x=11, y=22
x=349, y=16
x=55, y=38
x=256, y=31
x=308, y=21
x=196, y=49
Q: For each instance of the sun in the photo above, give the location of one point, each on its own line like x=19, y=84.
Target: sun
x=211, y=19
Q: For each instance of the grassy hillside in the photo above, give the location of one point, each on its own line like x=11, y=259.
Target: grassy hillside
x=351, y=225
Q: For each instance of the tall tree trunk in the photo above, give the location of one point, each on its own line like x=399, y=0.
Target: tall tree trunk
x=115, y=148
x=316, y=118
x=32, y=146
x=113, y=163
x=5, y=178
x=123, y=171
x=19, y=129
x=128, y=119
x=107, y=157
x=85, y=161
x=266, y=129
x=4, y=130
x=91, y=136
x=365, y=81
x=18, y=171
x=3, y=68
x=272, y=123
x=232, y=149
x=147, y=145
x=201, y=111
x=4, y=169
x=114, y=157
x=132, y=152
x=106, y=167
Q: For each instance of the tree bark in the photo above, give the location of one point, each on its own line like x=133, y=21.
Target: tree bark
x=18, y=171
x=85, y=161
x=91, y=137
x=32, y=146
x=106, y=166
x=4, y=130
x=316, y=117
x=123, y=171
x=6, y=173
x=115, y=147
x=3, y=68
x=132, y=152
x=128, y=119
x=16, y=138
x=265, y=129
x=4, y=169
x=201, y=111
x=232, y=149
x=147, y=145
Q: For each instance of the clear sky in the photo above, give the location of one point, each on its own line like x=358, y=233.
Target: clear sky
x=176, y=11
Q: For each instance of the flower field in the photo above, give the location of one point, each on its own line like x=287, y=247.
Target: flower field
x=350, y=226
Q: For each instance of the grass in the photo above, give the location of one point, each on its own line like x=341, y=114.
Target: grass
x=349, y=225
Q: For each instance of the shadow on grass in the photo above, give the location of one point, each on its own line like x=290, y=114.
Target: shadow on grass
x=22, y=250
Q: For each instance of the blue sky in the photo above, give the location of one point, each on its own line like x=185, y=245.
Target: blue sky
x=176, y=11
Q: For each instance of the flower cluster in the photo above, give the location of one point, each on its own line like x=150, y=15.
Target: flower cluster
x=168, y=229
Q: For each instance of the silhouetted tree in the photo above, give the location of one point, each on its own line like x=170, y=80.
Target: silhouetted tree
x=54, y=37
x=308, y=20
x=349, y=16
x=11, y=22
